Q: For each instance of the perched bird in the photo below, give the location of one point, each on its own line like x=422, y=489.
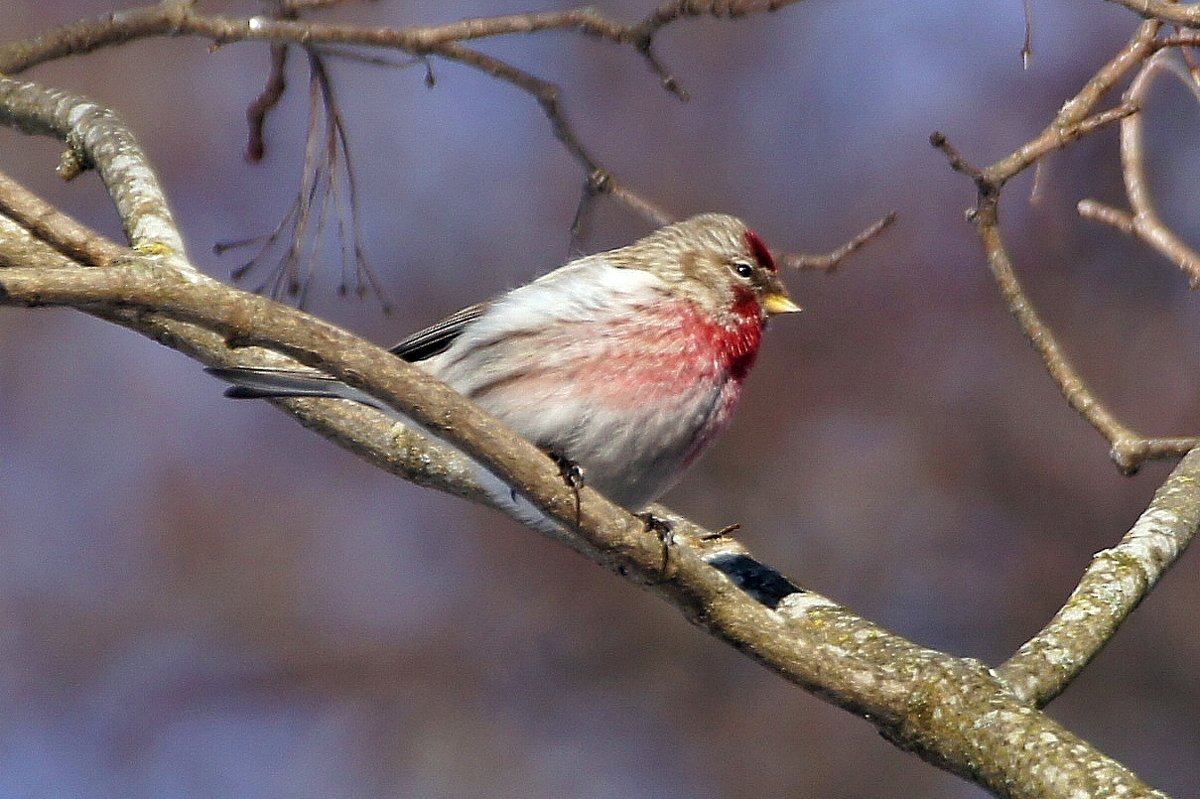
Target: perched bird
x=626, y=363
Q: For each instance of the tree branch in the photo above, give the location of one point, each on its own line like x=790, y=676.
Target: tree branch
x=98, y=138
x=48, y=224
x=1118, y=578
x=178, y=18
x=1143, y=221
x=1113, y=585
x=830, y=261
x=1128, y=449
x=951, y=712
x=1170, y=11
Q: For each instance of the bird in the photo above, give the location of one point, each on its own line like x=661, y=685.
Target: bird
x=626, y=364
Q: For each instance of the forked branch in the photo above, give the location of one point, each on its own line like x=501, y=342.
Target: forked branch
x=1119, y=578
x=1142, y=221
x=1076, y=119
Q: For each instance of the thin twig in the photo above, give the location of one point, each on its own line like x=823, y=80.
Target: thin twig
x=1105, y=214
x=267, y=100
x=1027, y=42
x=1143, y=220
x=328, y=185
x=1076, y=118
x=1063, y=131
x=180, y=19
x=54, y=227
x=829, y=262
x=1184, y=14
x=1128, y=449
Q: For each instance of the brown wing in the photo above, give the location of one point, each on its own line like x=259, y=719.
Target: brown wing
x=438, y=337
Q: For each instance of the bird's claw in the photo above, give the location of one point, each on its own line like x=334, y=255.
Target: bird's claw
x=570, y=471
x=571, y=474
x=661, y=528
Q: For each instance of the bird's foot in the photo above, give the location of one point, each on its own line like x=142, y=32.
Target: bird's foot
x=571, y=474
x=661, y=528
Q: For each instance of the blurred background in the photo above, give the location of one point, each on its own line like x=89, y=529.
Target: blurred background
x=200, y=598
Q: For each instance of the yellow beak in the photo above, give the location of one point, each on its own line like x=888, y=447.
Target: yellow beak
x=778, y=302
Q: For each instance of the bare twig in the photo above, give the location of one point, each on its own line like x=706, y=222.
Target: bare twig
x=1143, y=222
x=1105, y=214
x=328, y=185
x=1129, y=450
x=283, y=28
x=829, y=262
x=1076, y=118
x=1063, y=131
x=268, y=99
x=1027, y=42
x=445, y=41
x=276, y=84
x=601, y=182
x=1184, y=14
x=958, y=163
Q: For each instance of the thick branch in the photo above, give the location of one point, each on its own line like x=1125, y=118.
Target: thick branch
x=951, y=712
x=55, y=228
x=20, y=248
x=98, y=138
x=1111, y=588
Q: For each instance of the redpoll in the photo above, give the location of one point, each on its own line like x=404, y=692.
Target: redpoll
x=626, y=363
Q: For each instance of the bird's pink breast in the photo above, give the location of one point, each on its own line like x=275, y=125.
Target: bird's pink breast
x=667, y=353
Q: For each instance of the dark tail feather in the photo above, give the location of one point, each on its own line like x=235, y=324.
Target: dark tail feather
x=260, y=383
x=250, y=392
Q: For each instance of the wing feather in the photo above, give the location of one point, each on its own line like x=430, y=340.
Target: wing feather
x=438, y=337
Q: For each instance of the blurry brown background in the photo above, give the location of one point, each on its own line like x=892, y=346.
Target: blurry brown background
x=199, y=598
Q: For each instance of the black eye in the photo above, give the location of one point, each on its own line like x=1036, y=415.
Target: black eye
x=743, y=269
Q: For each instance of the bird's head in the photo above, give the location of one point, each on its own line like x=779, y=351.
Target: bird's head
x=716, y=261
